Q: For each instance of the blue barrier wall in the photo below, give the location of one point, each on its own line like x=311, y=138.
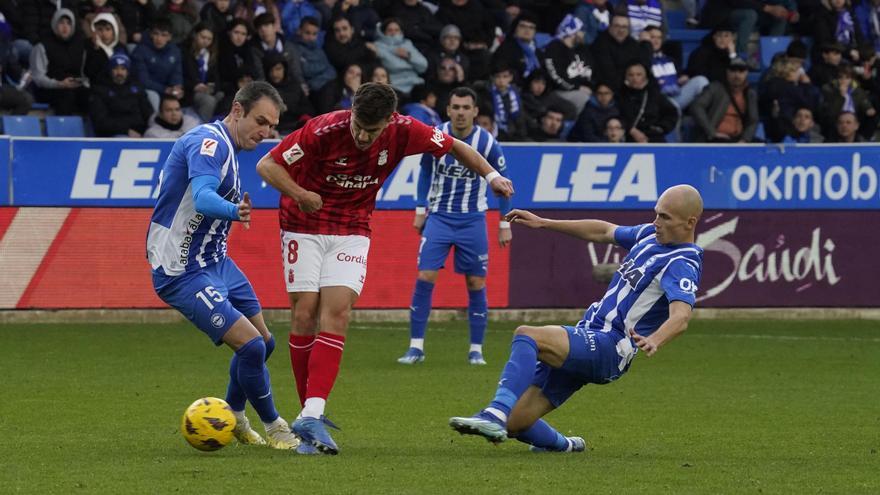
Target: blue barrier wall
x=49, y=172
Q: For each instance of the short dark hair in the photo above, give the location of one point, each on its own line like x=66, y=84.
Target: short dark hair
x=420, y=91
x=463, y=92
x=388, y=21
x=263, y=19
x=374, y=102
x=239, y=22
x=161, y=24
x=166, y=97
x=310, y=20
x=255, y=90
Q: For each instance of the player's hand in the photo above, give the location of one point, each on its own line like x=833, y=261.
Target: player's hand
x=645, y=344
x=504, y=236
x=244, y=211
x=524, y=217
x=310, y=202
x=419, y=222
x=502, y=186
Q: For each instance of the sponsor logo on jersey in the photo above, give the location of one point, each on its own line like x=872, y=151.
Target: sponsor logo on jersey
x=209, y=147
x=293, y=154
x=183, y=249
x=352, y=181
x=383, y=157
x=437, y=138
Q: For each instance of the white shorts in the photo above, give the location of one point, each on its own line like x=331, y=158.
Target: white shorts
x=312, y=261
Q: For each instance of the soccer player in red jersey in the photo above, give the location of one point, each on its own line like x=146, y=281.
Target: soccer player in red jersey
x=329, y=173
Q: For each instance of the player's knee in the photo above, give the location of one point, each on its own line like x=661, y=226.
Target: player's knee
x=253, y=351
x=270, y=346
x=304, y=323
x=428, y=276
x=475, y=283
x=336, y=318
x=524, y=330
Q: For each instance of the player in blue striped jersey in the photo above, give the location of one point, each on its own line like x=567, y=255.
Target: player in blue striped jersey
x=647, y=304
x=199, y=198
x=456, y=216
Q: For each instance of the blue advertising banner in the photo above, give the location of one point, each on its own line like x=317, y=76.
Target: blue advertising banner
x=5, y=171
x=565, y=176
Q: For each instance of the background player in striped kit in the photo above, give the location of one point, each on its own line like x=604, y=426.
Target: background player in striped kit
x=199, y=198
x=647, y=304
x=456, y=216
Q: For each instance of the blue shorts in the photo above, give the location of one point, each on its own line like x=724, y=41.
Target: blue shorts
x=592, y=358
x=213, y=299
x=467, y=232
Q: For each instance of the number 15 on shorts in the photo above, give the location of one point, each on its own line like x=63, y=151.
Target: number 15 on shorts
x=209, y=294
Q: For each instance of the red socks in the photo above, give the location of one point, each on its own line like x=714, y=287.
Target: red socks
x=300, y=348
x=323, y=365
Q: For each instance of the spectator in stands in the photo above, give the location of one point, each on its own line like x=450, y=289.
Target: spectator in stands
x=119, y=107
x=249, y=9
x=400, y=57
x=803, y=129
x=292, y=14
x=445, y=80
x=319, y=75
x=201, y=77
x=646, y=113
x=297, y=104
x=713, y=55
x=537, y=98
x=103, y=43
x=157, y=62
x=170, y=122
x=614, y=49
x=770, y=17
x=519, y=51
x=87, y=12
x=678, y=87
x=219, y=15
x=643, y=14
x=824, y=71
x=847, y=129
x=477, y=26
x=783, y=94
x=422, y=106
x=842, y=95
x=235, y=56
x=590, y=124
x=867, y=14
x=363, y=18
x=726, y=112
x=568, y=64
x=12, y=99
x=137, y=16
x=596, y=17
x=510, y=116
x=183, y=15
x=419, y=24
x=56, y=65
x=550, y=130
x=346, y=47
x=836, y=21
x=380, y=75
x=614, y=131
x=450, y=48
x=37, y=18
x=486, y=119
x=12, y=36
x=242, y=78
x=268, y=41
x=352, y=78
x=865, y=72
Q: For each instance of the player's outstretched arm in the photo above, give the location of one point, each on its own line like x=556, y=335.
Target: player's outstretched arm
x=679, y=316
x=589, y=230
x=471, y=159
x=277, y=176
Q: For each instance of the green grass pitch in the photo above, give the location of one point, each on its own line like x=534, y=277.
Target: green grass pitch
x=730, y=407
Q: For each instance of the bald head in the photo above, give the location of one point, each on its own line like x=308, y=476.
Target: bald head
x=678, y=210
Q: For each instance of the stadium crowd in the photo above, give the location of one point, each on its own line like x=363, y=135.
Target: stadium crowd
x=581, y=71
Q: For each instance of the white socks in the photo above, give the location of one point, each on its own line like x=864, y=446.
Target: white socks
x=314, y=408
x=476, y=348
x=417, y=343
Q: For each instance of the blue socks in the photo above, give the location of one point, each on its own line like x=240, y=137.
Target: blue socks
x=478, y=310
x=235, y=395
x=420, y=309
x=253, y=377
x=517, y=374
x=543, y=435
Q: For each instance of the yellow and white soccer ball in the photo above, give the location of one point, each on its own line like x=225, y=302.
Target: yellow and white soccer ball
x=207, y=424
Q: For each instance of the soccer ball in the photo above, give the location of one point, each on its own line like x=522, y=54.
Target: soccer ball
x=207, y=424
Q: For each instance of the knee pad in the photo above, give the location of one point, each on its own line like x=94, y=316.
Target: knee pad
x=270, y=346
x=253, y=351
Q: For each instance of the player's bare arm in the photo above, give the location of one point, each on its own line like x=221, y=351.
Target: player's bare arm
x=244, y=210
x=679, y=316
x=471, y=159
x=504, y=237
x=419, y=220
x=276, y=175
x=589, y=230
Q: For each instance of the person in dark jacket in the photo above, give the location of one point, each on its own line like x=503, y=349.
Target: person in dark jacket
x=477, y=26
x=157, y=63
x=836, y=22
x=726, y=111
x=713, y=55
x=590, y=124
x=103, y=45
x=648, y=115
x=614, y=49
x=296, y=103
x=568, y=63
x=137, y=17
x=235, y=56
x=219, y=15
x=120, y=107
x=37, y=15
x=201, y=77
x=56, y=66
x=519, y=50
x=419, y=24
x=346, y=47
x=319, y=75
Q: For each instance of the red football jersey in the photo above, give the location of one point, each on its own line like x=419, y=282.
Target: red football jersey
x=322, y=157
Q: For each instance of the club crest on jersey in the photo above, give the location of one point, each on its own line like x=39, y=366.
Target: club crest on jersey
x=209, y=147
x=383, y=157
x=437, y=138
x=293, y=154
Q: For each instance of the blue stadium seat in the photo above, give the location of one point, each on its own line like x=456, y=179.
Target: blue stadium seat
x=687, y=34
x=65, y=126
x=675, y=19
x=566, y=129
x=21, y=125
x=543, y=39
x=771, y=45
